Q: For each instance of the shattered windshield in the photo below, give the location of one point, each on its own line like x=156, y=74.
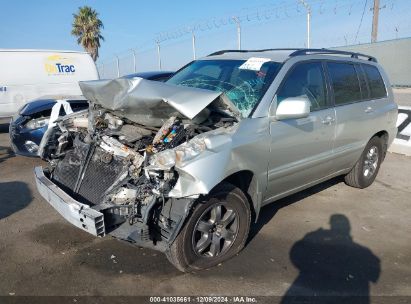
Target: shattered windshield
x=244, y=82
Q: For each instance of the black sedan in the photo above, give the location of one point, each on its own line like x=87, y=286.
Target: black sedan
x=27, y=127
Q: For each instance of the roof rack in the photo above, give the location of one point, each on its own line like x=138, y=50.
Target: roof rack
x=300, y=52
x=331, y=52
x=248, y=51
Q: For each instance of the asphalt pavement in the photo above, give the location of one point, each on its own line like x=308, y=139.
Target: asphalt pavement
x=331, y=237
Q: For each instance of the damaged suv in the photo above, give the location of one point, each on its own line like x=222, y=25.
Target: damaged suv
x=185, y=166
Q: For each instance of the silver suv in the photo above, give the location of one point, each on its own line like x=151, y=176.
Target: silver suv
x=185, y=166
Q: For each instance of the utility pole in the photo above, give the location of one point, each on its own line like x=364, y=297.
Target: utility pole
x=159, y=54
x=308, y=8
x=237, y=22
x=376, y=12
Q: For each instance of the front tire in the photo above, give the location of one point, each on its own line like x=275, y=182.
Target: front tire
x=366, y=169
x=216, y=230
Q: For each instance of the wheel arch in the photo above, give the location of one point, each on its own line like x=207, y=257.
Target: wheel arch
x=246, y=181
x=384, y=135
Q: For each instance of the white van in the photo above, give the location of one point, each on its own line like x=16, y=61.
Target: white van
x=29, y=74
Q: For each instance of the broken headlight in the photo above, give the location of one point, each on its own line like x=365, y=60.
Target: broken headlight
x=167, y=159
x=37, y=123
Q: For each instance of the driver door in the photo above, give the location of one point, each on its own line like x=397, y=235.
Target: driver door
x=301, y=150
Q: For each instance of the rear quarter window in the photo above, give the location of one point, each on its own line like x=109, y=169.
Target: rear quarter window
x=344, y=81
x=363, y=82
x=375, y=82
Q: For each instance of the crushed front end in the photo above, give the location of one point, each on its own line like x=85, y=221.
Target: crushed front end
x=110, y=171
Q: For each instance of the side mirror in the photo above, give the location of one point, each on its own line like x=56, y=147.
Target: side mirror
x=293, y=107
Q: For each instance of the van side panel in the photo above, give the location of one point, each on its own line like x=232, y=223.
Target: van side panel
x=28, y=75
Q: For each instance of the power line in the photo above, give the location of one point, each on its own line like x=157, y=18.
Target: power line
x=250, y=17
x=362, y=17
x=256, y=14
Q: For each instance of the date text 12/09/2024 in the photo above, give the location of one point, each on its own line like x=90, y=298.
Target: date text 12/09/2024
x=203, y=299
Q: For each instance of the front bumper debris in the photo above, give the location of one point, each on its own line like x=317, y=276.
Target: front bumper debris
x=78, y=214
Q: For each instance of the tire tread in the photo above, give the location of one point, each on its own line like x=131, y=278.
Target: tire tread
x=175, y=253
x=353, y=178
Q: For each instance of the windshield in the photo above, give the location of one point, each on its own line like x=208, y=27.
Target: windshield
x=244, y=85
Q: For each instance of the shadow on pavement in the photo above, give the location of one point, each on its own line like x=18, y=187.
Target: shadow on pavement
x=6, y=153
x=108, y=256
x=332, y=267
x=15, y=196
x=112, y=257
x=269, y=211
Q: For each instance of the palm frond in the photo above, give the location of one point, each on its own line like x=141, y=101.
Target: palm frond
x=87, y=28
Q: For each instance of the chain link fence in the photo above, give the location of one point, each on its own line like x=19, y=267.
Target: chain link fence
x=269, y=26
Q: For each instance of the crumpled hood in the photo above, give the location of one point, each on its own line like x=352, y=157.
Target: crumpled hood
x=151, y=103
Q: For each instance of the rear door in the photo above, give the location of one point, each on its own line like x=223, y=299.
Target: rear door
x=301, y=149
x=354, y=111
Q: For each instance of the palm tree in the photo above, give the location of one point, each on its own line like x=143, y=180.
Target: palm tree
x=87, y=28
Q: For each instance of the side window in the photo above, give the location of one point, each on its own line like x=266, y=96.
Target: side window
x=306, y=79
x=344, y=81
x=377, y=86
x=365, y=94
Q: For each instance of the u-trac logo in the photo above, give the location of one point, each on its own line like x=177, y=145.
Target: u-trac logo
x=59, y=65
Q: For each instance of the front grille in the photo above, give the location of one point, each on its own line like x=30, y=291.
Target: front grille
x=96, y=176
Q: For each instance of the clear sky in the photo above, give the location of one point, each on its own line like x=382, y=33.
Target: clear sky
x=46, y=24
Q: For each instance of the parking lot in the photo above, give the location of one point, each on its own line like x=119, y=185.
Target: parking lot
x=41, y=254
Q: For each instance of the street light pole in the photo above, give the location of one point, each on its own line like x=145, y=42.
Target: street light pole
x=193, y=36
x=237, y=22
x=118, y=66
x=159, y=55
x=134, y=60
x=308, y=8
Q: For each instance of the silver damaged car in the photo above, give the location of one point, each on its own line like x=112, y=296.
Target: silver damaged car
x=185, y=166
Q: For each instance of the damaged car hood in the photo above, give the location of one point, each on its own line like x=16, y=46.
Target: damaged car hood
x=151, y=103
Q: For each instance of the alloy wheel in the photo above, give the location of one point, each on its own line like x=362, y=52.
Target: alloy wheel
x=215, y=231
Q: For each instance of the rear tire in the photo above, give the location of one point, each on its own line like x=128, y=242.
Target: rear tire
x=216, y=230
x=366, y=169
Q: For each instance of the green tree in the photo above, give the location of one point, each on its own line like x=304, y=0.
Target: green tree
x=87, y=28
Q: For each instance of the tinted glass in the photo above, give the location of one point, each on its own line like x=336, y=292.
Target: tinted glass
x=306, y=79
x=162, y=79
x=345, y=83
x=244, y=87
x=377, y=87
x=76, y=105
x=365, y=94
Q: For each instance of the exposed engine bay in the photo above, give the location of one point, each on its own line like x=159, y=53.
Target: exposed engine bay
x=110, y=161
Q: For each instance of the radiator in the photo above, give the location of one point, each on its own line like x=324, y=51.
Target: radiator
x=96, y=175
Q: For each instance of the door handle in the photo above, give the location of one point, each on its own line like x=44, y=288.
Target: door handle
x=328, y=120
x=369, y=110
